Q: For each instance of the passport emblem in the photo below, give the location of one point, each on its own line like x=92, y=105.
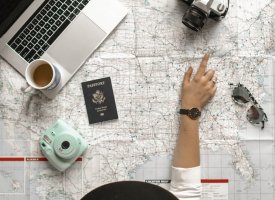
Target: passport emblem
x=98, y=97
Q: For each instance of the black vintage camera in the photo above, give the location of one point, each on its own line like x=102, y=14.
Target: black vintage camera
x=200, y=10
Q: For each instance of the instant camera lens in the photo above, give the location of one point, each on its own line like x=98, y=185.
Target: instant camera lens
x=194, y=18
x=65, y=145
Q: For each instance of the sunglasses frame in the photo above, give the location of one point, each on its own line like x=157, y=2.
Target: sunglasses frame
x=255, y=104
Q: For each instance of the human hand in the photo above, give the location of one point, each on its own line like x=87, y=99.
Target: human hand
x=197, y=92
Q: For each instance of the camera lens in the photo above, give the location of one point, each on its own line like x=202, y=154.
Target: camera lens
x=194, y=18
x=65, y=145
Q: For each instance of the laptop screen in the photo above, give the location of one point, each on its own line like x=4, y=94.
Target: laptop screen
x=10, y=10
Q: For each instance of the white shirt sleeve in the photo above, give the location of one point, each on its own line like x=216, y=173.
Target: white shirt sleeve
x=186, y=183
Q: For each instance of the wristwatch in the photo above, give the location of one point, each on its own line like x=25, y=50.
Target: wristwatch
x=193, y=113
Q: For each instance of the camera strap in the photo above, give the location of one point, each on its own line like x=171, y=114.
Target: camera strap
x=228, y=4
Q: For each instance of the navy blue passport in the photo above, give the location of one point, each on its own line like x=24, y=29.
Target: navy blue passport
x=99, y=100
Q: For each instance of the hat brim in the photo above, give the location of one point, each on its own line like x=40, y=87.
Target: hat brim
x=129, y=190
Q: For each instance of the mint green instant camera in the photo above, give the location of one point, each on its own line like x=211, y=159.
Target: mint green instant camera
x=62, y=145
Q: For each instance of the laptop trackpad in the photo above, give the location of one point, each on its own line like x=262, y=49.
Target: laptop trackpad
x=76, y=43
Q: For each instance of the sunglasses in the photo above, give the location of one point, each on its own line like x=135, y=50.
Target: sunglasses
x=255, y=114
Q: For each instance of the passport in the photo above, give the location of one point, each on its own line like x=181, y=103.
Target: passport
x=99, y=100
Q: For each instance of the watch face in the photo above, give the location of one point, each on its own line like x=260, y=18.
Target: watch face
x=194, y=113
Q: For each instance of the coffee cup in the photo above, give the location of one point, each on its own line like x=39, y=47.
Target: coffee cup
x=41, y=75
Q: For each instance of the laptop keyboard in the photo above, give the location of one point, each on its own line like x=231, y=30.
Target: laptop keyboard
x=44, y=26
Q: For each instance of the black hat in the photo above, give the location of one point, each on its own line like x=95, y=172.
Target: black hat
x=129, y=190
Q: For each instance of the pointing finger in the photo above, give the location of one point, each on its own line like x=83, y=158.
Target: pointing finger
x=203, y=65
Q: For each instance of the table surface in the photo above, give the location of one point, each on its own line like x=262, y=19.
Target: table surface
x=146, y=57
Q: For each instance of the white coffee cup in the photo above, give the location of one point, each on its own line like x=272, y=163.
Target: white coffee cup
x=41, y=75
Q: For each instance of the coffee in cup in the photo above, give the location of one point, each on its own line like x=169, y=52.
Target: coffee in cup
x=41, y=75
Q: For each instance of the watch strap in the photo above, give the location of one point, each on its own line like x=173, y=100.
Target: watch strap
x=184, y=111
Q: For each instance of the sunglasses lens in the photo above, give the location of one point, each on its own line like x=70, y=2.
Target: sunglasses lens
x=240, y=95
x=240, y=99
x=255, y=115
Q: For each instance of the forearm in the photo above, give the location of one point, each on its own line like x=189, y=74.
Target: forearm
x=187, y=150
x=195, y=93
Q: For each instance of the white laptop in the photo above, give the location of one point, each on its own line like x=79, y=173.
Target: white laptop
x=64, y=32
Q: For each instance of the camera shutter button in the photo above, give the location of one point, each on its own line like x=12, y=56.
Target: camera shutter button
x=220, y=7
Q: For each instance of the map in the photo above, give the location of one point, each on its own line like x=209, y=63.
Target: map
x=146, y=57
